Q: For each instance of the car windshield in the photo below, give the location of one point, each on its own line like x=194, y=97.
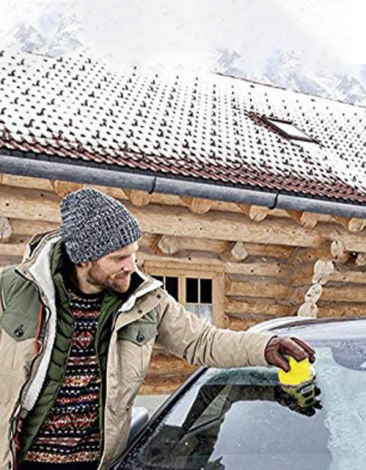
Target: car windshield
x=243, y=419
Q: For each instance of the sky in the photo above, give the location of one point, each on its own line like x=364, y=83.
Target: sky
x=184, y=31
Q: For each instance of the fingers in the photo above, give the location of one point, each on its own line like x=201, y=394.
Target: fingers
x=279, y=361
x=309, y=350
x=293, y=349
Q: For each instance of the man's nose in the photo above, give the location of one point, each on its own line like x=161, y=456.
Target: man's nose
x=130, y=265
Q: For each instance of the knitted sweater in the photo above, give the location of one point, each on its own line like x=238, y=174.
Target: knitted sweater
x=70, y=433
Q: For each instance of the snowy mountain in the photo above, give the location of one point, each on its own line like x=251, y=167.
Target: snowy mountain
x=63, y=40
x=286, y=69
x=318, y=74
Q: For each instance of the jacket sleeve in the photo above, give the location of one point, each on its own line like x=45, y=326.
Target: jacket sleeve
x=200, y=343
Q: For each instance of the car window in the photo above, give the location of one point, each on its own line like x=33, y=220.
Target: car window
x=243, y=419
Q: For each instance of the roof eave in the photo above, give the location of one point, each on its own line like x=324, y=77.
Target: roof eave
x=74, y=172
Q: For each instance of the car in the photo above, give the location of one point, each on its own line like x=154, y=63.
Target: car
x=245, y=419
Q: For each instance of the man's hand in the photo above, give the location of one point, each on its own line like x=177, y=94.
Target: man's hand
x=278, y=348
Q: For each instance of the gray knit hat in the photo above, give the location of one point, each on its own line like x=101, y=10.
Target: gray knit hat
x=94, y=224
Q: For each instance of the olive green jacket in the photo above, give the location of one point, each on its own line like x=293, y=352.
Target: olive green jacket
x=150, y=315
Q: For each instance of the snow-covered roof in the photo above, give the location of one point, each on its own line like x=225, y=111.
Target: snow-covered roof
x=207, y=128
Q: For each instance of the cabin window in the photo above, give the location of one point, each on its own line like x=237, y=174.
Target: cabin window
x=195, y=293
x=199, y=297
x=170, y=284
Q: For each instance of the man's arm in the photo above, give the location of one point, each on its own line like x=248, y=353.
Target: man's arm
x=200, y=343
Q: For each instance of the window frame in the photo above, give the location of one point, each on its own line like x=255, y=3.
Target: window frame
x=270, y=121
x=215, y=273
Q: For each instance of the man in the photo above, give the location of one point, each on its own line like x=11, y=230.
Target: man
x=78, y=326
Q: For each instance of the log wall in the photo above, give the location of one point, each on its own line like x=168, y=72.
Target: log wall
x=266, y=263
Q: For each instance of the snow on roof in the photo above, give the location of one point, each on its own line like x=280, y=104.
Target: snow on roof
x=205, y=127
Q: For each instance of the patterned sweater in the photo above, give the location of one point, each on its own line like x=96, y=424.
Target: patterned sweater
x=70, y=434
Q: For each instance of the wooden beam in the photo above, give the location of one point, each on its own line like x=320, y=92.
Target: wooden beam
x=171, y=245
x=9, y=260
x=259, y=289
x=306, y=294
x=339, y=252
x=30, y=227
x=352, y=224
x=308, y=310
x=356, y=225
x=176, y=221
x=323, y=271
x=267, y=269
x=305, y=219
x=244, y=323
x=26, y=182
x=250, y=306
x=5, y=229
x=344, y=293
x=341, y=309
x=236, y=252
x=138, y=198
x=64, y=188
x=310, y=273
x=15, y=247
x=255, y=213
x=197, y=205
x=361, y=259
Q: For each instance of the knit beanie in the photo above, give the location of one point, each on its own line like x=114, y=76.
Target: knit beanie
x=94, y=225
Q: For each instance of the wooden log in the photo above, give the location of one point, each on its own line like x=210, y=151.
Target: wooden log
x=361, y=259
x=352, y=224
x=250, y=306
x=30, y=228
x=356, y=225
x=138, y=198
x=64, y=188
x=341, y=309
x=323, y=271
x=312, y=255
x=308, y=310
x=9, y=260
x=310, y=273
x=259, y=289
x=339, y=252
x=236, y=252
x=244, y=323
x=29, y=204
x=171, y=245
x=255, y=213
x=27, y=182
x=15, y=247
x=197, y=205
x=162, y=199
x=348, y=277
x=5, y=229
x=344, y=293
x=305, y=219
x=314, y=293
x=306, y=293
x=168, y=245
x=176, y=221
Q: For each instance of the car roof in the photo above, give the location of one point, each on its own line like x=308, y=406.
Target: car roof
x=316, y=329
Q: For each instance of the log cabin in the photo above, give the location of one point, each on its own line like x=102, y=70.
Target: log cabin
x=251, y=198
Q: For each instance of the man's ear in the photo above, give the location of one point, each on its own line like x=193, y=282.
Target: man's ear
x=84, y=265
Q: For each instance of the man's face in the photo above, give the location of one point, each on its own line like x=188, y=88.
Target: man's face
x=114, y=270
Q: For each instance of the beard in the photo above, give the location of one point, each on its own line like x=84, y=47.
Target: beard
x=118, y=283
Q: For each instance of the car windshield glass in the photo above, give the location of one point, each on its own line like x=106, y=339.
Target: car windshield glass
x=243, y=419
